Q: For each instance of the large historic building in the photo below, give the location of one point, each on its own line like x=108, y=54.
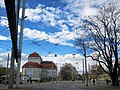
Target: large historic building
x=37, y=69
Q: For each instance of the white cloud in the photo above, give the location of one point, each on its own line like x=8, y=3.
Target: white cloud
x=4, y=38
x=76, y=60
x=67, y=58
x=60, y=19
x=83, y=8
x=3, y=21
x=56, y=17
x=59, y=60
x=51, y=17
x=32, y=14
x=58, y=37
x=64, y=27
x=48, y=14
x=24, y=59
x=65, y=35
x=2, y=3
x=4, y=58
x=88, y=11
x=35, y=34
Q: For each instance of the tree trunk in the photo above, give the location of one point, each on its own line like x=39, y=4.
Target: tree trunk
x=114, y=79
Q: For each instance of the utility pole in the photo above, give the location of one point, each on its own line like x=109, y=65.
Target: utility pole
x=60, y=74
x=11, y=75
x=83, y=72
x=7, y=70
x=10, y=8
x=20, y=44
x=52, y=73
x=72, y=74
x=86, y=73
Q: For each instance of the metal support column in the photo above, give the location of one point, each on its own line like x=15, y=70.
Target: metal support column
x=20, y=44
x=11, y=75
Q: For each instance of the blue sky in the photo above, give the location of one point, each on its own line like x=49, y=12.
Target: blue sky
x=50, y=28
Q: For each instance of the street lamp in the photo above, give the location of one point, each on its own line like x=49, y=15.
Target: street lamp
x=53, y=70
x=73, y=55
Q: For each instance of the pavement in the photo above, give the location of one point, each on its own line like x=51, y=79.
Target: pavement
x=98, y=86
x=21, y=87
x=64, y=85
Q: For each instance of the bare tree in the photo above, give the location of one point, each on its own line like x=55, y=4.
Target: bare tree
x=104, y=28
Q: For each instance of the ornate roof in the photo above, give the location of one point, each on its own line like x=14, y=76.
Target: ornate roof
x=31, y=65
x=48, y=65
x=44, y=64
x=34, y=54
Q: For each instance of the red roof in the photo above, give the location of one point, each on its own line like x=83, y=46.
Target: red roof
x=48, y=65
x=31, y=65
x=34, y=55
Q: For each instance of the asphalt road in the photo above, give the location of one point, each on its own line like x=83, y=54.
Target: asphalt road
x=64, y=85
x=72, y=85
x=56, y=86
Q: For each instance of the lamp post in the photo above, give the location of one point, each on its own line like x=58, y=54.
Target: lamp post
x=77, y=72
x=53, y=70
x=74, y=56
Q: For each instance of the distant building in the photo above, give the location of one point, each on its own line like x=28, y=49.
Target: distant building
x=37, y=69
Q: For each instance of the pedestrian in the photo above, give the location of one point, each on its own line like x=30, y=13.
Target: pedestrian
x=27, y=80
x=93, y=81
x=30, y=80
x=107, y=81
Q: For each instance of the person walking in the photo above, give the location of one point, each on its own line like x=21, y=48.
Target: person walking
x=30, y=79
x=107, y=81
x=93, y=81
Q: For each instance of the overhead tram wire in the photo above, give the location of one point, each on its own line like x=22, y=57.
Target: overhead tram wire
x=54, y=47
x=6, y=28
x=35, y=24
x=27, y=45
x=46, y=32
x=39, y=41
x=5, y=45
x=36, y=44
x=46, y=6
x=51, y=50
x=34, y=41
